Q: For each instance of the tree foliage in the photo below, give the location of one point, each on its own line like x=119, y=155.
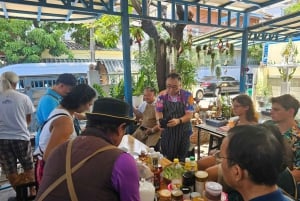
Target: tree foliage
x=187, y=71
x=175, y=34
x=292, y=9
x=107, y=30
x=23, y=42
x=147, y=73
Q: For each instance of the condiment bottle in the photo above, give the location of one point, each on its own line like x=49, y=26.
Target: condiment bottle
x=177, y=174
x=176, y=195
x=213, y=191
x=201, y=177
x=186, y=192
x=156, y=171
x=187, y=164
x=143, y=156
x=194, y=166
x=188, y=180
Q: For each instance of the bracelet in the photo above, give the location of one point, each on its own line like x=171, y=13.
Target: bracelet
x=180, y=121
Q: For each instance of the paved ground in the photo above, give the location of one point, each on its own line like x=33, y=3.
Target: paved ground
x=6, y=192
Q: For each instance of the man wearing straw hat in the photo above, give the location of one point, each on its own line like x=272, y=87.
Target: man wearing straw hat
x=91, y=167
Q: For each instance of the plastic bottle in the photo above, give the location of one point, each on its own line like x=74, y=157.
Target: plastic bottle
x=194, y=166
x=147, y=191
x=177, y=174
x=187, y=164
x=156, y=171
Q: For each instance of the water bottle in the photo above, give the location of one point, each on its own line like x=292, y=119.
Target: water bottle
x=177, y=174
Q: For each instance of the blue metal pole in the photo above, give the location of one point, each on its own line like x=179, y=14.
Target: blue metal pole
x=126, y=53
x=244, y=54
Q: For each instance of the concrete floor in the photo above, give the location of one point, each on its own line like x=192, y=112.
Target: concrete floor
x=6, y=192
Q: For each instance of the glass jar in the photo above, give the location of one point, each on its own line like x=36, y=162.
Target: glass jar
x=201, y=177
x=176, y=195
x=213, y=191
x=164, y=195
x=186, y=192
x=195, y=196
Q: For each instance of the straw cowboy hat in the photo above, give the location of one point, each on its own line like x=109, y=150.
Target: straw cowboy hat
x=110, y=109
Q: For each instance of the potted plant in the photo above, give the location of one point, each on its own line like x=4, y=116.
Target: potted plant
x=100, y=90
x=117, y=91
x=263, y=93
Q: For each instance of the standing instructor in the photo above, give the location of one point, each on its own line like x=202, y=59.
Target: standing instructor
x=174, y=110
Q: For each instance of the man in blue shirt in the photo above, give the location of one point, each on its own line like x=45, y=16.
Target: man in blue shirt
x=52, y=98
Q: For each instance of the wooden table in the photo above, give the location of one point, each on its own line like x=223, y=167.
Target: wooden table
x=134, y=147
x=215, y=135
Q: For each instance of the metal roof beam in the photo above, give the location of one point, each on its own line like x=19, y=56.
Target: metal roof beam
x=172, y=18
x=4, y=10
x=39, y=14
x=89, y=6
x=270, y=22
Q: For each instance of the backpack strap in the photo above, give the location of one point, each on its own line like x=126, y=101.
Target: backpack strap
x=58, y=114
x=41, y=128
x=72, y=170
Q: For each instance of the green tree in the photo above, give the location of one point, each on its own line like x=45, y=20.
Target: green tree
x=147, y=73
x=108, y=32
x=293, y=8
x=187, y=71
x=255, y=51
x=23, y=42
x=175, y=43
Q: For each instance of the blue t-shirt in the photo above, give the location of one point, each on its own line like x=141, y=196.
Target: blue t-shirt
x=46, y=105
x=274, y=196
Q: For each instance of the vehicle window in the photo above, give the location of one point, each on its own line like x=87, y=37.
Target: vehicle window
x=208, y=78
x=227, y=78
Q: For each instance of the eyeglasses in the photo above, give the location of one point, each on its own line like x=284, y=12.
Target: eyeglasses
x=172, y=86
x=219, y=158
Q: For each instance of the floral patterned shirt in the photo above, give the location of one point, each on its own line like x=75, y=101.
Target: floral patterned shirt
x=293, y=138
x=183, y=96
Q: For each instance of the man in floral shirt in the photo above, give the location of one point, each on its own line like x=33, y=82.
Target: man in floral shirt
x=284, y=110
x=174, y=110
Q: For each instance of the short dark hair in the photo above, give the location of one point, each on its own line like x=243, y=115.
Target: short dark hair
x=79, y=95
x=174, y=76
x=151, y=89
x=67, y=79
x=287, y=101
x=257, y=150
